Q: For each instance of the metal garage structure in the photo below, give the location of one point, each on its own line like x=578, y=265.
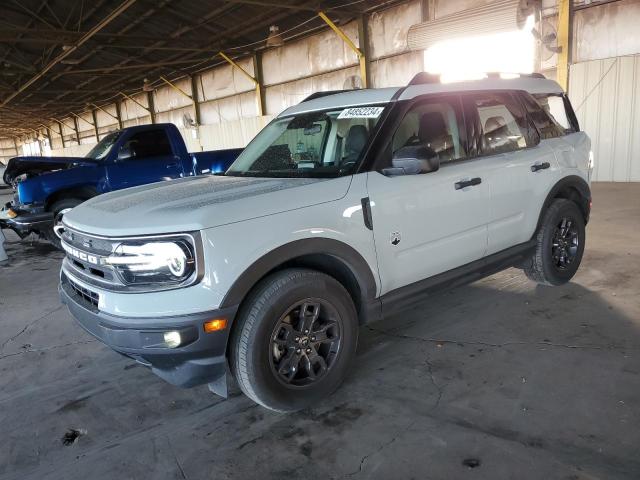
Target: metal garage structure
x=606, y=97
x=209, y=71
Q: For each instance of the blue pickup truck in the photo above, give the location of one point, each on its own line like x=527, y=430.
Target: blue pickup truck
x=48, y=187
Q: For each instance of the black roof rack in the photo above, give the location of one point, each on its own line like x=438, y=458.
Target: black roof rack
x=325, y=94
x=423, y=78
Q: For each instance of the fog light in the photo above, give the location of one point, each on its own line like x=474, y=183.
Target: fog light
x=172, y=339
x=11, y=214
x=215, y=325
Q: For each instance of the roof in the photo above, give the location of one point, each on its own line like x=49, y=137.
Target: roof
x=111, y=46
x=532, y=85
x=353, y=98
x=373, y=96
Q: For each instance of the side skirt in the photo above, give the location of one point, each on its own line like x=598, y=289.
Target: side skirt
x=405, y=297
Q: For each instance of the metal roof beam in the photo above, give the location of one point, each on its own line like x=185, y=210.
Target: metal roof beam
x=103, y=23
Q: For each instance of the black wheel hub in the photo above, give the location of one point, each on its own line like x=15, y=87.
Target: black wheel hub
x=565, y=243
x=305, y=343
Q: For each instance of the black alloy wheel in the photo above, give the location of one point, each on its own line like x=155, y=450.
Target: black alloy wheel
x=565, y=243
x=305, y=343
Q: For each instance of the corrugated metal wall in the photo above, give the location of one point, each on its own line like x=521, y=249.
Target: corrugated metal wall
x=606, y=97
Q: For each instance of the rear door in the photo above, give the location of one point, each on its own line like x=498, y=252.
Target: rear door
x=519, y=168
x=429, y=223
x=145, y=157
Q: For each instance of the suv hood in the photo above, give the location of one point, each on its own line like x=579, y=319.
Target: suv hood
x=38, y=165
x=198, y=203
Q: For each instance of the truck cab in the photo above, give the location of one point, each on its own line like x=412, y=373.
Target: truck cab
x=48, y=187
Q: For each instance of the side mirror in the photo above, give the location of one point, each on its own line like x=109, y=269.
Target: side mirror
x=413, y=161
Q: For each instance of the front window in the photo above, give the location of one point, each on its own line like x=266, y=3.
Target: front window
x=318, y=144
x=102, y=149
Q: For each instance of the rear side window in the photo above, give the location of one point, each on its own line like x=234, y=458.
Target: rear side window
x=556, y=107
x=502, y=122
x=152, y=143
x=546, y=125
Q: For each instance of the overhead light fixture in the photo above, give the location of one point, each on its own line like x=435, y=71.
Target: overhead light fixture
x=275, y=38
x=146, y=86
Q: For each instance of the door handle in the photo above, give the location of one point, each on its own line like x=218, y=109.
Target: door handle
x=172, y=165
x=540, y=166
x=468, y=183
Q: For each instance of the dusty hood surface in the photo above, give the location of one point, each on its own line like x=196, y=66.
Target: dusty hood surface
x=197, y=203
x=37, y=165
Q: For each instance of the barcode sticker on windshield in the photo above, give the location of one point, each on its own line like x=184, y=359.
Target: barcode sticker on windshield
x=361, y=112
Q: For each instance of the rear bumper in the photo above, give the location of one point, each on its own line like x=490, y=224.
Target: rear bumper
x=27, y=221
x=201, y=358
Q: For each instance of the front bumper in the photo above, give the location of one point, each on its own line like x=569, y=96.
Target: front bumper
x=27, y=221
x=201, y=358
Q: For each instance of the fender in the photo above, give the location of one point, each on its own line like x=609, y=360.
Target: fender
x=572, y=182
x=313, y=253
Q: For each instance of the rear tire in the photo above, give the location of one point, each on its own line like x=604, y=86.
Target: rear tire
x=58, y=209
x=294, y=340
x=560, y=245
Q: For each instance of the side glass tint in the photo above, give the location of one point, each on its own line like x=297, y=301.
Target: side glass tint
x=545, y=124
x=502, y=121
x=436, y=124
x=152, y=143
x=554, y=106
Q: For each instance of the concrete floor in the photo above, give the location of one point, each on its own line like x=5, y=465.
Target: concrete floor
x=498, y=379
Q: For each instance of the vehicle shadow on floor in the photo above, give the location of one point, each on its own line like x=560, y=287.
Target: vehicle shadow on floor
x=498, y=376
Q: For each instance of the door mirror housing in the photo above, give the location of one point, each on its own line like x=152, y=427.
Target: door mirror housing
x=413, y=161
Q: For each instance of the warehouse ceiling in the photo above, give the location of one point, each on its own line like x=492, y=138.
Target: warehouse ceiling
x=60, y=56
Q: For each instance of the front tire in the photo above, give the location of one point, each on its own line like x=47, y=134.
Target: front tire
x=58, y=209
x=560, y=245
x=294, y=339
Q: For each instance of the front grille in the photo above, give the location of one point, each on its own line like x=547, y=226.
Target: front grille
x=84, y=254
x=85, y=294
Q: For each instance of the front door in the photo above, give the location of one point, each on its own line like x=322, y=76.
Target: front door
x=429, y=223
x=145, y=157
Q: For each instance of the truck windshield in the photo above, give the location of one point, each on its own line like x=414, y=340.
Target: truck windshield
x=101, y=150
x=317, y=144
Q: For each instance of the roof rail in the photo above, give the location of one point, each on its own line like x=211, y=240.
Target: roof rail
x=529, y=75
x=326, y=93
x=422, y=78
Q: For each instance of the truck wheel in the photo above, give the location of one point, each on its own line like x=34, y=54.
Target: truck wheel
x=294, y=339
x=59, y=208
x=560, y=245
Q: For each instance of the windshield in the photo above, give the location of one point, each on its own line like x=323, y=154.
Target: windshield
x=317, y=144
x=103, y=147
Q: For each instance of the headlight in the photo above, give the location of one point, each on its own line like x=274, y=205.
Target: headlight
x=165, y=261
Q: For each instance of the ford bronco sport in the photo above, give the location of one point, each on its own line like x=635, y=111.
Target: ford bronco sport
x=346, y=207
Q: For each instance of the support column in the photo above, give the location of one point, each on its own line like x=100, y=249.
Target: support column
x=564, y=44
x=260, y=91
x=194, y=98
x=152, y=108
x=427, y=10
x=118, y=114
x=75, y=128
x=254, y=79
x=95, y=124
x=363, y=40
x=61, y=134
x=360, y=53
